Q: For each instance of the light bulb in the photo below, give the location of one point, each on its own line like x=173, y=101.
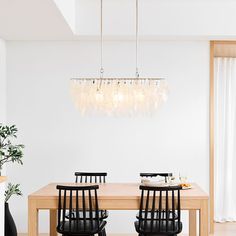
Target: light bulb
x=118, y=97
x=140, y=96
x=99, y=96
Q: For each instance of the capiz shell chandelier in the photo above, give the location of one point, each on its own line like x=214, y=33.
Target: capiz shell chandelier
x=118, y=96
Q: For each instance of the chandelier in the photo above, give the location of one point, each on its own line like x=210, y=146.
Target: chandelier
x=118, y=96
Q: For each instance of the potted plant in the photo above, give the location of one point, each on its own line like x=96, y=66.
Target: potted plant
x=9, y=152
x=10, y=226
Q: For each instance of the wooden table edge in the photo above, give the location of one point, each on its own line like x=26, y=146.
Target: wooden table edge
x=3, y=179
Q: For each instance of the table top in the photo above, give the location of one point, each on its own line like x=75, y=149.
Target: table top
x=115, y=191
x=3, y=179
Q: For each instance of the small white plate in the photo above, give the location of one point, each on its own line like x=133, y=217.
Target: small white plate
x=185, y=188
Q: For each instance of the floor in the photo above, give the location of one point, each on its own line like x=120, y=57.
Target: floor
x=226, y=229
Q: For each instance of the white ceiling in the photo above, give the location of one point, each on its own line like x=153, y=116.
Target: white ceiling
x=79, y=19
x=158, y=17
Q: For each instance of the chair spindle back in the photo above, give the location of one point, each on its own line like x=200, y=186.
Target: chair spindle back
x=150, y=175
x=90, y=177
x=77, y=199
x=164, y=205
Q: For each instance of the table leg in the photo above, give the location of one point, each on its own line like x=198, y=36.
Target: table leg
x=192, y=223
x=204, y=219
x=53, y=222
x=32, y=218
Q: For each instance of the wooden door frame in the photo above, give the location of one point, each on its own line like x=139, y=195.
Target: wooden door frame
x=213, y=45
x=211, y=120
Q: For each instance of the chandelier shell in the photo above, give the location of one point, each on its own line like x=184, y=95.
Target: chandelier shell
x=113, y=96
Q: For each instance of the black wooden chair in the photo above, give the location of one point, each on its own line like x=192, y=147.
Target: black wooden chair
x=150, y=175
x=159, y=212
x=79, y=199
x=90, y=177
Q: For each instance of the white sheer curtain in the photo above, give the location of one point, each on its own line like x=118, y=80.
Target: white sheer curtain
x=225, y=139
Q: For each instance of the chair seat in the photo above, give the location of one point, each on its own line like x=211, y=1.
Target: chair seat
x=81, y=227
x=158, y=229
x=103, y=214
x=156, y=215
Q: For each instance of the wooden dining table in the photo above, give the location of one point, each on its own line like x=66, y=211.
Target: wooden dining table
x=117, y=196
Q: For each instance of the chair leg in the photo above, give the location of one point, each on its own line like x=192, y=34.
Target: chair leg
x=102, y=233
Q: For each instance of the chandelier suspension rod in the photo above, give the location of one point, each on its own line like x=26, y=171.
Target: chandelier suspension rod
x=101, y=46
x=136, y=43
x=101, y=40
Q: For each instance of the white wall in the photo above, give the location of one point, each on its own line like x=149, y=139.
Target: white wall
x=59, y=141
x=2, y=120
x=2, y=81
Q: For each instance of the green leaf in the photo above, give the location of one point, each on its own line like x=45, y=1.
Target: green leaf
x=12, y=190
x=10, y=152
